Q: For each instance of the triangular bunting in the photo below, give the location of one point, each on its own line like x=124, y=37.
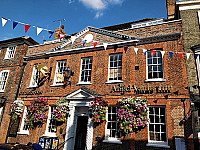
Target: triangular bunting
x=50, y=33
x=195, y=56
x=136, y=49
x=3, y=20
x=125, y=48
x=162, y=53
x=62, y=36
x=105, y=45
x=180, y=54
x=153, y=52
x=115, y=47
x=144, y=51
x=14, y=24
x=171, y=54
x=188, y=55
x=84, y=41
x=73, y=38
x=39, y=30
x=26, y=27
x=95, y=44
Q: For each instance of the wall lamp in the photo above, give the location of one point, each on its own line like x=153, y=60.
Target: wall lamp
x=184, y=119
x=68, y=74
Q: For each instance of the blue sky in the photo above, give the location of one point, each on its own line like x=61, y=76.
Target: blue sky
x=78, y=14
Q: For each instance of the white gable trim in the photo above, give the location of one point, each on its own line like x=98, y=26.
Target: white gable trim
x=80, y=94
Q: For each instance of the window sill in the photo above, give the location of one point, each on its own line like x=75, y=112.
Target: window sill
x=114, y=81
x=54, y=85
x=115, y=141
x=30, y=87
x=23, y=133
x=49, y=135
x=84, y=83
x=1, y=91
x=7, y=58
x=158, y=145
x=155, y=80
x=199, y=135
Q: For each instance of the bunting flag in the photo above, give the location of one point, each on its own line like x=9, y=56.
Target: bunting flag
x=84, y=41
x=171, y=54
x=195, y=56
x=180, y=54
x=162, y=53
x=14, y=24
x=105, y=45
x=144, y=51
x=26, y=27
x=115, y=47
x=62, y=36
x=153, y=52
x=125, y=48
x=50, y=33
x=188, y=55
x=95, y=44
x=3, y=20
x=73, y=38
x=136, y=50
x=39, y=30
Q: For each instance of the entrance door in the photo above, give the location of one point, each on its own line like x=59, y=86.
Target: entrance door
x=81, y=133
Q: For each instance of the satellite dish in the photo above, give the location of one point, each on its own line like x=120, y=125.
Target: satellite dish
x=88, y=38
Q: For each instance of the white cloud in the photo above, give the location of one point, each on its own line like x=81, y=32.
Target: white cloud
x=98, y=14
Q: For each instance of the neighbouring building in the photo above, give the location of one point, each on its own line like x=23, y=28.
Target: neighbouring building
x=11, y=70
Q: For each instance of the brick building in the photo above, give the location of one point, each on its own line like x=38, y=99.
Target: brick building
x=11, y=70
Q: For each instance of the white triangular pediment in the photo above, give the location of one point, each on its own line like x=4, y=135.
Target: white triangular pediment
x=80, y=94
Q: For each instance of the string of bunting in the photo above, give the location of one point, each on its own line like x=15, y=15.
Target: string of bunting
x=27, y=26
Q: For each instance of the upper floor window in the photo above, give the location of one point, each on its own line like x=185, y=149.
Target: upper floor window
x=112, y=132
x=60, y=72
x=115, y=67
x=51, y=123
x=24, y=129
x=86, y=69
x=35, y=77
x=155, y=69
x=3, y=79
x=157, y=126
x=10, y=52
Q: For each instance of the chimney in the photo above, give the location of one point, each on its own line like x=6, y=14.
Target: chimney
x=58, y=31
x=171, y=4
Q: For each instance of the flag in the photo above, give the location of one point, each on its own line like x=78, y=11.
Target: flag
x=136, y=49
x=105, y=45
x=26, y=27
x=162, y=53
x=153, y=52
x=180, y=54
x=73, y=38
x=62, y=36
x=14, y=24
x=50, y=33
x=95, y=44
x=84, y=41
x=3, y=20
x=144, y=51
x=115, y=47
x=39, y=30
x=171, y=54
x=125, y=48
x=188, y=55
x=195, y=56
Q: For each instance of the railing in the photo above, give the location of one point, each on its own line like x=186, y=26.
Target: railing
x=63, y=143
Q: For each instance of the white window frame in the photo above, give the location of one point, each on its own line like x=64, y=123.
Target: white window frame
x=109, y=68
x=109, y=139
x=162, y=64
x=1, y=111
x=34, y=73
x=10, y=52
x=22, y=130
x=89, y=69
x=155, y=143
x=56, y=72
x=198, y=65
x=47, y=133
x=5, y=81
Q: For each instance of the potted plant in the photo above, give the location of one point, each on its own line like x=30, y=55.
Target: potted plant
x=132, y=115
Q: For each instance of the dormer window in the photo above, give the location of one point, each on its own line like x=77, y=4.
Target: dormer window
x=10, y=52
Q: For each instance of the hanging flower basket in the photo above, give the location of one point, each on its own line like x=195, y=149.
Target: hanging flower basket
x=16, y=108
x=98, y=108
x=37, y=112
x=61, y=111
x=132, y=115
